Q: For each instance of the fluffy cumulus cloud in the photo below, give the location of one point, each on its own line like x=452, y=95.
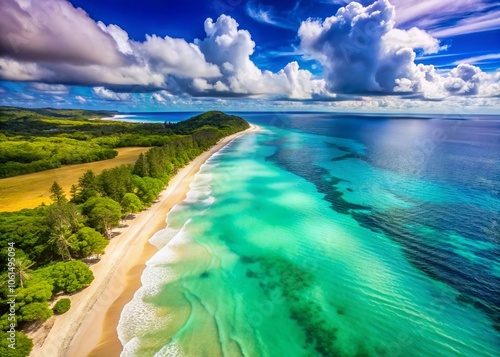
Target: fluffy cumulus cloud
x=80, y=51
x=360, y=49
x=230, y=49
x=29, y=32
x=77, y=50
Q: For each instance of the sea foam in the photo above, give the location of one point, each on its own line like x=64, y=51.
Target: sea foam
x=139, y=316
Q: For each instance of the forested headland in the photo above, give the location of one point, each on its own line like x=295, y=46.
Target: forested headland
x=52, y=243
x=34, y=140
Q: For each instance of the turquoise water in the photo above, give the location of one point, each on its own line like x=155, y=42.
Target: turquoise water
x=321, y=236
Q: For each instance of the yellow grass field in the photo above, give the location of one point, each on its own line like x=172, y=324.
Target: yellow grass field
x=29, y=191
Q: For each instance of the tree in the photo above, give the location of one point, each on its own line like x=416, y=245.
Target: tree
x=116, y=182
x=73, y=192
x=147, y=188
x=87, y=242
x=103, y=214
x=141, y=166
x=22, y=269
x=37, y=311
x=87, y=187
x=67, y=276
x=24, y=345
x=64, y=219
x=131, y=203
x=29, y=230
x=64, y=215
x=37, y=290
x=60, y=240
x=57, y=194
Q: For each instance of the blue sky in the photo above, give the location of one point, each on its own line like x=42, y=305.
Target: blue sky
x=385, y=55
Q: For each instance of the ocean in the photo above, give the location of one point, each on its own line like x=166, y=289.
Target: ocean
x=331, y=235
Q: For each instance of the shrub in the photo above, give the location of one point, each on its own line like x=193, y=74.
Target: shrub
x=62, y=306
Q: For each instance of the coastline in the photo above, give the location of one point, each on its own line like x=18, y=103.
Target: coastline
x=89, y=327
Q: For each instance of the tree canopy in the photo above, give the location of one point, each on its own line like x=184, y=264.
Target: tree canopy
x=87, y=242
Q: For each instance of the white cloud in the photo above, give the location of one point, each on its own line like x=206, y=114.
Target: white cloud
x=476, y=59
x=107, y=94
x=49, y=88
x=413, y=38
x=266, y=16
x=360, y=49
x=77, y=50
x=471, y=24
x=55, y=31
x=463, y=80
x=230, y=48
x=12, y=70
x=81, y=99
x=175, y=56
x=119, y=35
x=26, y=96
x=158, y=98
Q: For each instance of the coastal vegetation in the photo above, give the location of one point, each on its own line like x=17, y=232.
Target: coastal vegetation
x=31, y=190
x=62, y=306
x=34, y=140
x=50, y=239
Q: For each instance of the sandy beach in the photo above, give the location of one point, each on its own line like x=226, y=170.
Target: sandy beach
x=89, y=327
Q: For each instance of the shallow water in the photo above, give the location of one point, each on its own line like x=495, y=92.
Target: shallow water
x=331, y=236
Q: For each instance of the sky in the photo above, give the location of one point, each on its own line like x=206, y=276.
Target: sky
x=401, y=56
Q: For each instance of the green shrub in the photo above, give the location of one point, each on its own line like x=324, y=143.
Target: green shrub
x=62, y=306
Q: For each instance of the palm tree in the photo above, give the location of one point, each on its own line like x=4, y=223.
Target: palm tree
x=22, y=269
x=60, y=240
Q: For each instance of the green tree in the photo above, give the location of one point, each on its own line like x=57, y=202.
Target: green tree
x=37, y=290
x=29, y=230
x=24, y=345
x=103, y=214
x=57, y=194
x=116, y=182
x=73, y=192
x=64, y=219
x=131, y=203
x=87, y=242
x=87, y=187
x=147, y=188
x=141, y=166
x=22, y=265
x=60, y=241
x=37, y=311
x=62, y=306
x=67, y=276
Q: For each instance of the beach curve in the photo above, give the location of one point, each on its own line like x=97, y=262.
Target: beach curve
x=89, y=328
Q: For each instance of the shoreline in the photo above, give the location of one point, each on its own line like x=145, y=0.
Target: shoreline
x=89, y=327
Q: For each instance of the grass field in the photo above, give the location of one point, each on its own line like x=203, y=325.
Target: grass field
x=29, y=191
